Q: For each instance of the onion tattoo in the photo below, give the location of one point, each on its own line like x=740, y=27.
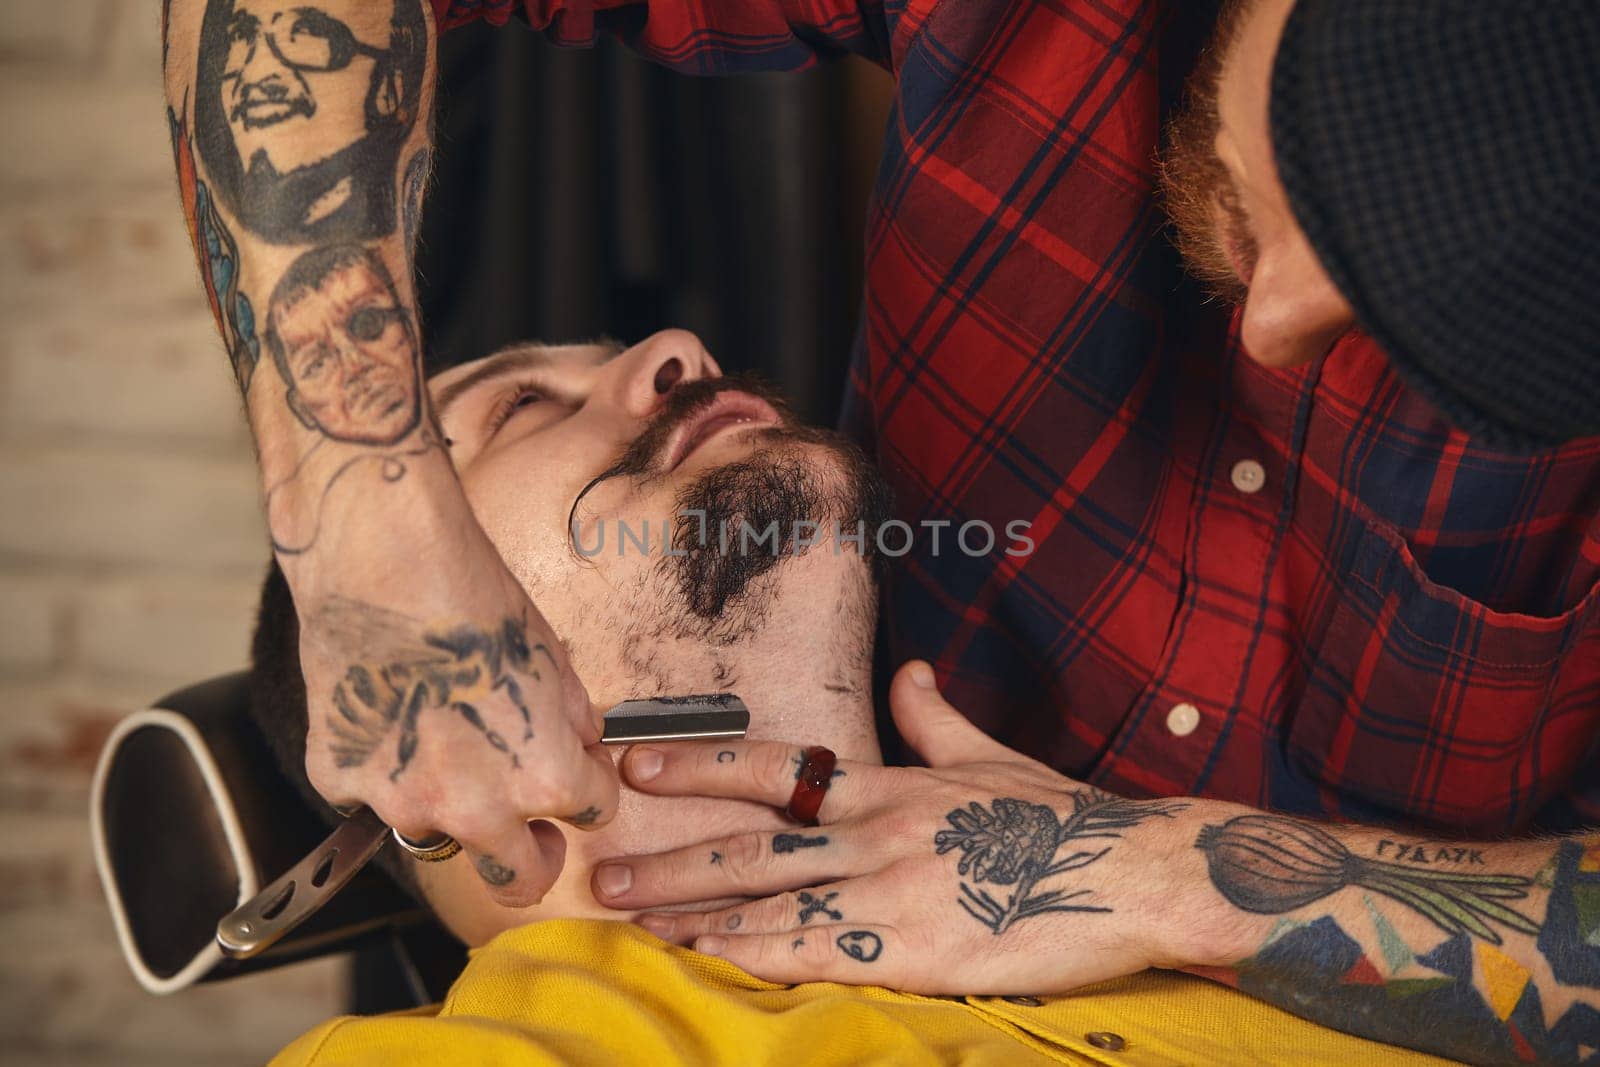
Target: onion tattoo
x=1270, y=865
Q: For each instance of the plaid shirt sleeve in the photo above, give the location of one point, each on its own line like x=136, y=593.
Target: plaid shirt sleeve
x=1298, y=590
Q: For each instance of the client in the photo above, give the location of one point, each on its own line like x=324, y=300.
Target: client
x=661, y=516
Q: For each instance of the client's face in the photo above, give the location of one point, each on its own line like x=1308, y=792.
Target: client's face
x=634, y=494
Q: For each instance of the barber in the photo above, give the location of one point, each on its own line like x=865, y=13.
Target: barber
x=1334, y=555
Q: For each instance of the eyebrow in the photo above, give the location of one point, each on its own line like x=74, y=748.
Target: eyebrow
x=512, y=360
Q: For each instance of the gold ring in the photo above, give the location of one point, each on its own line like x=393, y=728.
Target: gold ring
x=435, y=851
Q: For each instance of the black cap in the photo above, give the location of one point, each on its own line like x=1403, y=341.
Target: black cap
x=1443, y=157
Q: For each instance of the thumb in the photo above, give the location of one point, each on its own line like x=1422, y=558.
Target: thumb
x=939, y=733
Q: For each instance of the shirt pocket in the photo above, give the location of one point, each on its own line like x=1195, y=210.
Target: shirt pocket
x=1424, y=706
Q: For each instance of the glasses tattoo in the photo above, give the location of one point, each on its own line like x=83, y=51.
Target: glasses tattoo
x=315, y=41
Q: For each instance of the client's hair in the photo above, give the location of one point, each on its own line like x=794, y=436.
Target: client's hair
x=278, y=707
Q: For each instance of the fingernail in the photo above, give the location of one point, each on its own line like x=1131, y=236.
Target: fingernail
x=711, y=945
x=922, y=675
x=645, y=763
x=614, y=879
x=658, y=925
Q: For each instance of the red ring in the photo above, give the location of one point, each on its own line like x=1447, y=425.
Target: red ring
x=811, y=785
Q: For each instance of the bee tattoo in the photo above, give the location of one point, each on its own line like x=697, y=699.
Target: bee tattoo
x=455, y=668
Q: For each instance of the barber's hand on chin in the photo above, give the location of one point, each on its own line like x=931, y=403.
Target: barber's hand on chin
x=985, y=873
x=472, y=725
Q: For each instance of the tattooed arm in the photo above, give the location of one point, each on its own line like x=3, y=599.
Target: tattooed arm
x=436, y=692
x=988, y=873
x=1484, y=952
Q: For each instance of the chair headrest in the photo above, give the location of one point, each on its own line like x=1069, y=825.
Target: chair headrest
x=190, y=817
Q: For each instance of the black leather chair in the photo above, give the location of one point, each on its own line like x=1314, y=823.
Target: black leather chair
x=190, y=817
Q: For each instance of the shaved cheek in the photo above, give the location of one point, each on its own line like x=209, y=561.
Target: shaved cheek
x=517, y=509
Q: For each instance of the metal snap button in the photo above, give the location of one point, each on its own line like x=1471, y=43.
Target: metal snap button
x=1107, y=1040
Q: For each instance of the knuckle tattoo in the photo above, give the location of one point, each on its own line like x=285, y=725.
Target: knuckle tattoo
x=496, y=874
x=587, y=817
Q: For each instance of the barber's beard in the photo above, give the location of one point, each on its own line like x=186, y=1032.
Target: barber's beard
x=1201, y=201
x=1197, y=191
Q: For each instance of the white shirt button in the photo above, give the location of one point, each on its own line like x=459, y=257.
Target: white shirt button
x=1248, y=476
x=1183, y=719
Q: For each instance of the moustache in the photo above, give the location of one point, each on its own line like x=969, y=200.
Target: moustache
x=643, y=455
x=684, y=402
x=296, y=106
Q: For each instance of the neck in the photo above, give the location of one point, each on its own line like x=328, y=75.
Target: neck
x=805, y=670
x=805, y=673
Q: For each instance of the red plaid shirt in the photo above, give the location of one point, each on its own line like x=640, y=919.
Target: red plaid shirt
x=1298, y=589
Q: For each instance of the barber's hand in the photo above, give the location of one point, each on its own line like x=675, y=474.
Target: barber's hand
x=472, y=725
x=986, y=873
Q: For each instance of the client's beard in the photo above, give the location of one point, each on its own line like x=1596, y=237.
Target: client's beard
x=723, y=584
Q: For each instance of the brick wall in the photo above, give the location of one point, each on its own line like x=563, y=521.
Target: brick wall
x=130, y=536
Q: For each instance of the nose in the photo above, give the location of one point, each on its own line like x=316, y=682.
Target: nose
x=646, y=374
x=354, y=361
x=262, y=66
x=1294, y=312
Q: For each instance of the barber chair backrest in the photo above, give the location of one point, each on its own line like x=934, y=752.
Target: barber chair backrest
x=190, y=817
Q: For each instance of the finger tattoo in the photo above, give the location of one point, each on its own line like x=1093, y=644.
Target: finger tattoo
x=784, y=843
x=494, y=873
x=862, y=945
x=811, y=906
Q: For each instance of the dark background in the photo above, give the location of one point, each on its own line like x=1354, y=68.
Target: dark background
x=580, y=194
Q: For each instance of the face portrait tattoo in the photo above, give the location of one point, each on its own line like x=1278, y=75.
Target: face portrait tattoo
x=301, y=113
x=344, y=346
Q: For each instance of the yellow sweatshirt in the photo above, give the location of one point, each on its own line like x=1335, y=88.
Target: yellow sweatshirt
x=586, y=992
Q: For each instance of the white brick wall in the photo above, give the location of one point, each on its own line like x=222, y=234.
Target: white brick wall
x=68, y=375
x=130, y=533
x=62, y=31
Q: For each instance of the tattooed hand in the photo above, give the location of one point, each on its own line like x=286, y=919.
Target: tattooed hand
x=461, y=728
x=986, y=872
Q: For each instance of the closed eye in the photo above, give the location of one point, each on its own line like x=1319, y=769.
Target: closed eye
x=519, y=396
